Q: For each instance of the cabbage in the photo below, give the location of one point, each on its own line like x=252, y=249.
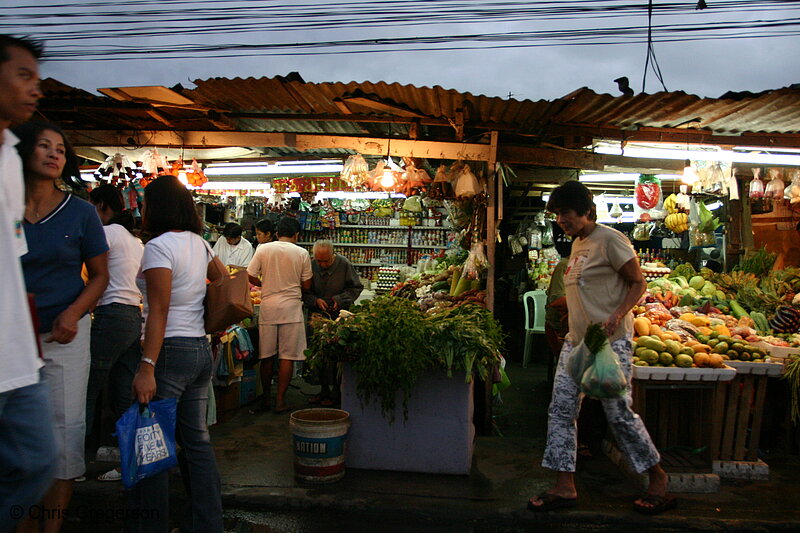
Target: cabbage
x=709, y=289
x=662, y=283
x=690, y=291
x=680, y=281
x=697, y=282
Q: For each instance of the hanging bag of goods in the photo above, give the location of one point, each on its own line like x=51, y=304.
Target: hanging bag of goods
x=647, y=192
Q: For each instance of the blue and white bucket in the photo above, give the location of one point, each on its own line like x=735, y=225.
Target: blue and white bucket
x=319, y=441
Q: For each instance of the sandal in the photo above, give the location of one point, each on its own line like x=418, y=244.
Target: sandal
x=551, y=502
x=281, y=409
x=658, y=504
x=111, y=475
x=258, y=409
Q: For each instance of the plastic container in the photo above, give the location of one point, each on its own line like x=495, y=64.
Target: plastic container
x=319, y=439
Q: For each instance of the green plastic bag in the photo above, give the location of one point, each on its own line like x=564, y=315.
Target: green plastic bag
x=604, y=378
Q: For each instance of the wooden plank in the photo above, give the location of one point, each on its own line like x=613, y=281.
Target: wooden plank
x=548, y=157
x=717, y=414
x=302, y=142
x=745, y=401
x=758, y=417
x=491, y=219
x=662, y=430
x=731, y=405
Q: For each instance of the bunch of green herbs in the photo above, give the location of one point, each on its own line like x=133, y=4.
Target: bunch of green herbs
x=390, y=343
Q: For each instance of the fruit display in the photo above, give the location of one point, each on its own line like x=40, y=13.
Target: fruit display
x=677, y=222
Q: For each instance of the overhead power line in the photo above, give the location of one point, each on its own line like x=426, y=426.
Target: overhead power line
x=162, y=29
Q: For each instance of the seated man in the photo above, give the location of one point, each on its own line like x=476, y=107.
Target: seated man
x=232, y=249
x=335, y=286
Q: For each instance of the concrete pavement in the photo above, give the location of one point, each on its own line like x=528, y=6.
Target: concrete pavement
x=255, y=460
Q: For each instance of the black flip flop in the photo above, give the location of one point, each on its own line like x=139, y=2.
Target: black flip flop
x=658, y=504
x=551, y=502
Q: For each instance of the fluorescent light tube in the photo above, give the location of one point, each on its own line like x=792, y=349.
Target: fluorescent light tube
x=715, y=154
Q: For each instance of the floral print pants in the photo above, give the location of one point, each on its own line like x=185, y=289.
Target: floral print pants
x=628, y=429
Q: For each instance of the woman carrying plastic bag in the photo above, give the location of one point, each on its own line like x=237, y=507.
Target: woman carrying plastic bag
x=603, y=282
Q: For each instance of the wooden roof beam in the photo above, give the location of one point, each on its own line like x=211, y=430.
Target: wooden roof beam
x=301, y=142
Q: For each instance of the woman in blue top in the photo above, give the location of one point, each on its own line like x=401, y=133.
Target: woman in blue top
x=176, y=356
x=63, y=233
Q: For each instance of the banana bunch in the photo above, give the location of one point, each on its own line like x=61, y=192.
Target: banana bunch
x=677, y=222
x=671, y=203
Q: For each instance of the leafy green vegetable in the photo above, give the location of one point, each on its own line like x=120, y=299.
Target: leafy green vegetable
x=595, y=337
x=708, y=222
x=391, y=343
x=686, y=270
x=759, y=262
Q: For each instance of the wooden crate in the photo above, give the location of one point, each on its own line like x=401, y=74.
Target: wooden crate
x=681, y=416
x=742, y=404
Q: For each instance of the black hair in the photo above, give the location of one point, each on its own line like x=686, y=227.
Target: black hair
x=232, y=230
x=107, y=195
x=169, y=206
x=7, y=41
x=573, y=195
x=288, y=226
x=265, y=226
x=28, y=134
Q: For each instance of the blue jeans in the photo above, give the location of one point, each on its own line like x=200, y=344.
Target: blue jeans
x=183, y=371
x=27, y=450
x=116, y=349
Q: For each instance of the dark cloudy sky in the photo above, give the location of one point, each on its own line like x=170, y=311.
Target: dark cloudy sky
x=707, y=67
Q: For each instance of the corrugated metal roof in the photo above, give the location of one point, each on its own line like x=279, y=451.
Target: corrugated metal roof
x=771, y=112
x=383, y=109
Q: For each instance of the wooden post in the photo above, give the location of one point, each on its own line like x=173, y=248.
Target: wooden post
x=492, y=207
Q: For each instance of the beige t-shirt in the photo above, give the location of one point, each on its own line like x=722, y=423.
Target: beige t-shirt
x=284, y=266
x=593, y=285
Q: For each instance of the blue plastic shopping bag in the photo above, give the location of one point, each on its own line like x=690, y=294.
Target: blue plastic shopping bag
x=146, y=437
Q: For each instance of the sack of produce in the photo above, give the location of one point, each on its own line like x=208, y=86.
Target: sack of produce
x=604, y=378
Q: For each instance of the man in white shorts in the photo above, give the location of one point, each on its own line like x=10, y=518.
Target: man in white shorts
x=285, y=271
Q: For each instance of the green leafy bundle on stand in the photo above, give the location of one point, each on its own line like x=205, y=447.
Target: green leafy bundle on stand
x=390, y=343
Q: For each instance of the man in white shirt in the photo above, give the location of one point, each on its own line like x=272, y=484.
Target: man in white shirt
x=27, y=446
x=285, y=271
x=233, y=249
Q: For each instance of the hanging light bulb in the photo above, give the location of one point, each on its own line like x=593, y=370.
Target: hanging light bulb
x=182, y=177
x=387, y=179
x=690, y=176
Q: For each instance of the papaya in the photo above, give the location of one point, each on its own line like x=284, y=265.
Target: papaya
x=701, y=348
x=722, y=329
x=665, y=358
x=687, y=351
x=653, y=344
x=721, y=347
x=672, y=347
x=643, y=339
x=684, y=361
x=655, y=330
x=701, y=359
x=650, y=356
x=642, y=325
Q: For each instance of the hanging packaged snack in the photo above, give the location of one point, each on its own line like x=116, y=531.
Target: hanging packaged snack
x=756, y=193
x=775, y=186
x=647, y=197
x=547, y=234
